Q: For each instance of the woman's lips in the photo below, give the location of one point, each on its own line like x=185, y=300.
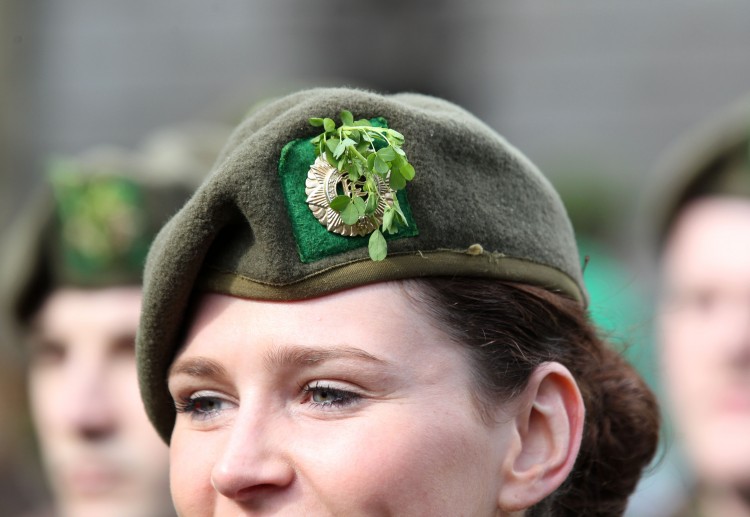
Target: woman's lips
x=93, y=479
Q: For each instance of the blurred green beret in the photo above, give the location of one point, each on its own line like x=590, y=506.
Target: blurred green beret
x=476, y=207
x=711, y=160
x=89, y=226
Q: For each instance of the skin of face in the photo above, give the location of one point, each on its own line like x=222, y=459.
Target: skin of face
x=101, y=455
x=349, y=404
x=704, y=325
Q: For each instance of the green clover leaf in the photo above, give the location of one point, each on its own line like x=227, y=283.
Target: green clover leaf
x=363, y=152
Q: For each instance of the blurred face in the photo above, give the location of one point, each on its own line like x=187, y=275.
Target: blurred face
x=102, y=457
x=349, y=404
x=705, y=336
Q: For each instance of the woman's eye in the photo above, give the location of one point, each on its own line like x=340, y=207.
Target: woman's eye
x=47, y=353
x=324, y=395
x=201, y=407
x=698, y=301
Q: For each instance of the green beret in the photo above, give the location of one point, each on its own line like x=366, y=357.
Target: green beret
x=476, y=207
x=89, y=226
x=711, y=160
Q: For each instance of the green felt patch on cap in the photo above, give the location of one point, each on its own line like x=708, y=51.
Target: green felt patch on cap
x=102, y=224
x=314, y=241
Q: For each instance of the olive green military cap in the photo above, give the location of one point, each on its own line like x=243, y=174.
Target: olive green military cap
x=89, y=225
x=712, y=159
x=476, y=207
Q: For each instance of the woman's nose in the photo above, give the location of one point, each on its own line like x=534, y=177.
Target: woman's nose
x=89, y=410
x=253, y=465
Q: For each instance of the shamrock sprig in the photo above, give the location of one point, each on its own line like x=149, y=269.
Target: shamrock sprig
x=365, y=152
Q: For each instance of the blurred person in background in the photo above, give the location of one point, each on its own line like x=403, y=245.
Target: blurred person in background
x=71, y=286
x=702, y=214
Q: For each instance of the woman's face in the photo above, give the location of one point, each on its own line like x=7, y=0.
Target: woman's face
x=705, y=336
x=348, y=404
x=100, y=452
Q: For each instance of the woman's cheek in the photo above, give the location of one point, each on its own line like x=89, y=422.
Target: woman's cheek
x=368, y=463
x=190, y=474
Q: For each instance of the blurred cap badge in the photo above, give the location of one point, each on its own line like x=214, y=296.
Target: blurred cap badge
x=102, y=224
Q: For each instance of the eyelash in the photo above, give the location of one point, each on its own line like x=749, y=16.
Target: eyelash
x=341, y=398
x=191, y=406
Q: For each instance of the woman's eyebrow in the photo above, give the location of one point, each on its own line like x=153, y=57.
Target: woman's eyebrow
x=197, y=367
x=295, y=355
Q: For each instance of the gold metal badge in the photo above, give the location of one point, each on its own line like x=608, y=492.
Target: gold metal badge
x=325, y=182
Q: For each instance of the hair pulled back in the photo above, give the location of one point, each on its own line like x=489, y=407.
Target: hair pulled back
x=509, y=330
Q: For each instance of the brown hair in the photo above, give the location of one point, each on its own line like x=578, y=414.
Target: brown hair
x=509, y=330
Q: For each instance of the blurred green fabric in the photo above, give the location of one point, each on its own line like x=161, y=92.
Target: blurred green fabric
x=619, y=308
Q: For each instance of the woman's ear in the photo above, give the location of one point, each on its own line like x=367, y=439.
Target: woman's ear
x=546, y=439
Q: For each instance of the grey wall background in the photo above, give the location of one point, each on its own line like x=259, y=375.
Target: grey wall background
x=592, y=91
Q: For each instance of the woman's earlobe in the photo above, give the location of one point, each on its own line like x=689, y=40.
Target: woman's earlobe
x=549, y=426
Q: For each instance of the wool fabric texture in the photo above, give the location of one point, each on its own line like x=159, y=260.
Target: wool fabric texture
x=479, y=209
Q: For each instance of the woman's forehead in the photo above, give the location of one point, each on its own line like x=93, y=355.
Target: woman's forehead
x=377, y=321
x=73, y=307
x=703, y=243
x=361, y=303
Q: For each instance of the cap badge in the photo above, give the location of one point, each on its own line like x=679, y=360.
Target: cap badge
x=352, y=184
x=325, y=182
